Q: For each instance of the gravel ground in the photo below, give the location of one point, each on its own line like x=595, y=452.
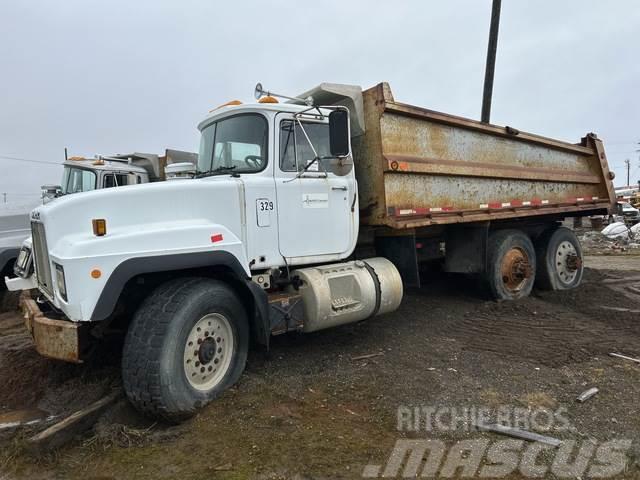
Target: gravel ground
x=308, y=409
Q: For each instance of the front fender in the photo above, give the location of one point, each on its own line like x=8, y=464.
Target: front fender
x=161, y=263
x=255, y=297
x=95, y=264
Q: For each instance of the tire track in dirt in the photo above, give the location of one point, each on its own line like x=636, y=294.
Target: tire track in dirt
x=552, y=328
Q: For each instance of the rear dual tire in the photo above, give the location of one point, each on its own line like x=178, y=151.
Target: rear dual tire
x=514, y=265
x=511, y=265
x=560, y=263
x=187, y=343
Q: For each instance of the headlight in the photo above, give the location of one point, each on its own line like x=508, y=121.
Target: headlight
x=23, y=263
x=62, y=286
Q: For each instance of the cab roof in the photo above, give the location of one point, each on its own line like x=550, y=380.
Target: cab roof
x=349, y=96
x=121, y=165
x=250, y=107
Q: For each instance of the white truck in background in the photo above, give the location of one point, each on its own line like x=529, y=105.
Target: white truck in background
x=86, y=174
x=302, y=216
x=82, y=174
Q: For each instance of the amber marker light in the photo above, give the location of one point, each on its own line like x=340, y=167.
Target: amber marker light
x=99, y=227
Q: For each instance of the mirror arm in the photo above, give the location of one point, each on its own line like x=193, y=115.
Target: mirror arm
x=307, y=137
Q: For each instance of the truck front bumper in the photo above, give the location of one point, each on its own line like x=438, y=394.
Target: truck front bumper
x=59, y=339
x=18, y=283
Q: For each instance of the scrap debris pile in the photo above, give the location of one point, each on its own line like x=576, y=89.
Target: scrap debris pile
x=616, y=237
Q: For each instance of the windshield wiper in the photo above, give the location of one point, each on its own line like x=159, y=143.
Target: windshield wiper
x=220, y=169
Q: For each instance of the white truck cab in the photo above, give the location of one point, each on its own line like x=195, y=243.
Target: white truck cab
x=275, y=190
x=84, y=175
x=261, y=151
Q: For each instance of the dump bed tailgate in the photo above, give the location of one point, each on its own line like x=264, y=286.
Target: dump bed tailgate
x=417, y=167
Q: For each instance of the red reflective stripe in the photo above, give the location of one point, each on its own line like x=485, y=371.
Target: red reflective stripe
x=216, y=238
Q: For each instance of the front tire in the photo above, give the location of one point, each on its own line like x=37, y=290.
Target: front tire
x=187, y=343
x=560, y=264
x=511, y=265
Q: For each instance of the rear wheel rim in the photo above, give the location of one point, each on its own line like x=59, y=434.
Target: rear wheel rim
x=515, y=269
x=208, y=351
x=567, y=262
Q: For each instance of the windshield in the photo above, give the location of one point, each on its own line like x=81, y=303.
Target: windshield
x=75, y=180
x=295, y=151
x=237, y=144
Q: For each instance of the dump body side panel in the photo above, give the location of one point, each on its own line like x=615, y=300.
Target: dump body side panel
x=417, y=167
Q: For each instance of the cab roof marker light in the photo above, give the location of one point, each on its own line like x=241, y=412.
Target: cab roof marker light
x=232, y=103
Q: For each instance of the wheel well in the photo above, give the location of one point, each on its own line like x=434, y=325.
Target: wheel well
x=531, y=227
x=7, y=270
x=466, y=244
x=136, y=289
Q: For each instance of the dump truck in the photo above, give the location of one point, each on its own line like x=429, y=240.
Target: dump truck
x=304, y=215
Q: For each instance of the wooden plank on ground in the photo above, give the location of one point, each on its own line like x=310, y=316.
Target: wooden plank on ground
x=60, y=433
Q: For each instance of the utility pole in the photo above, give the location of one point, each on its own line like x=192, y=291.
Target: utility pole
x=627, y=163
x=491, y=61
x=5, y=197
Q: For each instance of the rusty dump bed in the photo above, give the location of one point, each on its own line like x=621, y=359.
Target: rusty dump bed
x=416, y=167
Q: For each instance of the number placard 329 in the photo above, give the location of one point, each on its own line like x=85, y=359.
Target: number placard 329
x=264, y=207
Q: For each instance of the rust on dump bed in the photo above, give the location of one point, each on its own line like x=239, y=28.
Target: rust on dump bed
x=417, y=167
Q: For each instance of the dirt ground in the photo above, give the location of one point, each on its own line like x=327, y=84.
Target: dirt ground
x=308, y=409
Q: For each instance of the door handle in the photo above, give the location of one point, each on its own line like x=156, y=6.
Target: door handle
x=344, y=189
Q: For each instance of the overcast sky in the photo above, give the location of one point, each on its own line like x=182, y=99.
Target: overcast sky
x=120, y=76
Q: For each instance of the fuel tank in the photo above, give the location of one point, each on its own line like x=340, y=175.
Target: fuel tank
x=348, y=292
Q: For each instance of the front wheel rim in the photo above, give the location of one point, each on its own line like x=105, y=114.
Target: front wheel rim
x=208, y=351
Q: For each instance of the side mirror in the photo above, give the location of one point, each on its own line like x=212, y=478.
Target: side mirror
x=339, y=133
x=49, y=192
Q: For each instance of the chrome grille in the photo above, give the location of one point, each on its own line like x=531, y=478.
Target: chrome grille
x=41, y=256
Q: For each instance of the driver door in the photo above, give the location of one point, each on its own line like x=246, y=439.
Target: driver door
x=314, y=207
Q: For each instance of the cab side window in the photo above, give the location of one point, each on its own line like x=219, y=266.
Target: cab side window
x=295, y=150
x=115, y=180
